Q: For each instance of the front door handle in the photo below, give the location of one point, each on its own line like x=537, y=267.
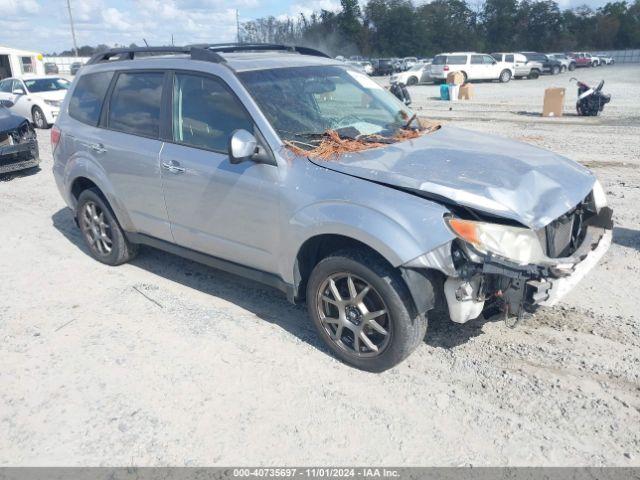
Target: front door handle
x=173, y=167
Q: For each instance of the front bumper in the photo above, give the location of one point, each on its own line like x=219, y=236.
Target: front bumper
x=19, y=156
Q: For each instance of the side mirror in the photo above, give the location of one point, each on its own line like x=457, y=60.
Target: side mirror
x=18, y=91
x=242, y=145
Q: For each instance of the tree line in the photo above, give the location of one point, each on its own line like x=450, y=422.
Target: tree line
x=400, y=28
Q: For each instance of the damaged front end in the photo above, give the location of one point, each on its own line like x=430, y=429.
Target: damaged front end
x=512, y=270
x=18, y=143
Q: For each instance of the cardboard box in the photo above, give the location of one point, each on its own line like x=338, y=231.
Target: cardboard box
x=553, y=102
x=466, y=92
x=455, y=78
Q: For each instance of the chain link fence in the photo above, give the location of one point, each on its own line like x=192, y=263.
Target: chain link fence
x=620, y=56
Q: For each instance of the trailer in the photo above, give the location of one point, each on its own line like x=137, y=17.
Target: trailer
x=16, y=63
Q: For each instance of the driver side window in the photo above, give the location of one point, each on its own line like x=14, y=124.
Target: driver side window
x=205, y=113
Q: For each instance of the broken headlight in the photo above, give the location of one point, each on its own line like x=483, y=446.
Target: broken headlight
x=519, y=245
x=599, y=198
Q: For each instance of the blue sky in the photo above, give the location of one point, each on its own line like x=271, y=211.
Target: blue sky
x=43, y=25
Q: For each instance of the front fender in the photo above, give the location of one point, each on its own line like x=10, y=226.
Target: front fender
x=398, y=234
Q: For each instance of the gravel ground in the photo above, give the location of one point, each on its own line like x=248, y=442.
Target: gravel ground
x=166, y=362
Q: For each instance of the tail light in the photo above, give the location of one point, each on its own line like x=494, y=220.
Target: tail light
x=446, y=68
x=55, y=137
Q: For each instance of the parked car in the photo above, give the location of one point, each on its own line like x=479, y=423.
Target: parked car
x=605, y=60
x=567, y=62
x=580, y=59
x=37, y=98
x=222, y=170
x=382, y=66
x=522, y=67
x=474, y=66
x=407, y=63
x=419, y=73
x=368, y=67
x=51, y=68
x=75, y=67
x=549, y=65
x=18, y=142
x=595, y=60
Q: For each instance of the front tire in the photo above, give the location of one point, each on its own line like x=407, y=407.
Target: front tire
x=101, y=232
x=572, y=67
x=412, y=81
x=534, y=74
x=362, y=310
x=555, y=70
x=39, y=120
x=505, y=76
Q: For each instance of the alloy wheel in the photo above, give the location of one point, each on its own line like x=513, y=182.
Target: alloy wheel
x=38, y=118
x=96, y=228
x=353, y=315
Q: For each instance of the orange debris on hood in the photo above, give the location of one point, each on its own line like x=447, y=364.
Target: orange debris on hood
x=331, y=145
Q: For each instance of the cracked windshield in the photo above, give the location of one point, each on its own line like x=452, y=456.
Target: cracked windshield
x=306, y=104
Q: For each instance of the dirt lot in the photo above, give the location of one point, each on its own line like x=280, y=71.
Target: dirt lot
x=163, y=361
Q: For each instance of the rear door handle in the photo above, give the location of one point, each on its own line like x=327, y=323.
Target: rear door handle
x=173, y=167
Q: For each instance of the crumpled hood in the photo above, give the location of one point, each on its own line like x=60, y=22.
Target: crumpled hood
x=485, y=172
x=9, y=121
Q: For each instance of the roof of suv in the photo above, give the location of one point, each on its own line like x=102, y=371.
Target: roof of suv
x=242, y=60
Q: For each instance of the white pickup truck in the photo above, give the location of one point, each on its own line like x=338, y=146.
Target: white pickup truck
x=522, y=67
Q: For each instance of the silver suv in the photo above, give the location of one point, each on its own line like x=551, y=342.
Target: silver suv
x=223, y=154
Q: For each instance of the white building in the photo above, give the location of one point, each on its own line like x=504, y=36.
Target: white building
x=15, y=63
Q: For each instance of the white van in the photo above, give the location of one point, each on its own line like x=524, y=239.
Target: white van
x=474, y=66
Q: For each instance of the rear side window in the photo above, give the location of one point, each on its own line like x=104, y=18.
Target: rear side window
x=86, y=101
x=457, y=60
x=205, y=113
x=476, y=59
x=134, y=106
x=508, y=58
x=439, y=60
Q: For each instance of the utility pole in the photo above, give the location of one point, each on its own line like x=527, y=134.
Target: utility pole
x=73, y=31
x=237, y=26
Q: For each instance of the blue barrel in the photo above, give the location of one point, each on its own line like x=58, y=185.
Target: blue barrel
x=444, y=92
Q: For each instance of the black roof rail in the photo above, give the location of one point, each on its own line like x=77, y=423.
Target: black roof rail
x=254, y=47
x=130, y=53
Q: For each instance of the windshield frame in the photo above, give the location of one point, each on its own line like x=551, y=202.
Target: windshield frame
x=244, y=77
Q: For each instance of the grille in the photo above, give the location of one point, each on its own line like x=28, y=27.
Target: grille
x=565, y=234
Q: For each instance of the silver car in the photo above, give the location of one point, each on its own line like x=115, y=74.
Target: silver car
x=222, y=154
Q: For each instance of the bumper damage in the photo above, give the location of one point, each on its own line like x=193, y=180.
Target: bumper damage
x=18, y=148
x=489, y=284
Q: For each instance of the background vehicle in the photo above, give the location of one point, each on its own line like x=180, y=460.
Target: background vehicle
x=595, y=60
x=606, y=60
x=419, y=73
x=37, y=98
x=18, y=142
x=408, y=62
x=382, y=66
x=51, y=68
x=474, y=66
x=580, y=59
x=567, y=62
x=549, y=65
x=195, y=151
x=368, y=68
x=75, y=67
x=522, y=67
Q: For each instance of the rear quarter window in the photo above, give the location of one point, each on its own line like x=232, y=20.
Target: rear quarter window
x=456, y=60
x=86, y=101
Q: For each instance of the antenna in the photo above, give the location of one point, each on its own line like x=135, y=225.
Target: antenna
x=145, y=42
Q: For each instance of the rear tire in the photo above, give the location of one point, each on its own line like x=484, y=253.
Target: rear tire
x=572, y=67
x=534, y=74
x=101, y=232
x=341, y=310
x=412, y=81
